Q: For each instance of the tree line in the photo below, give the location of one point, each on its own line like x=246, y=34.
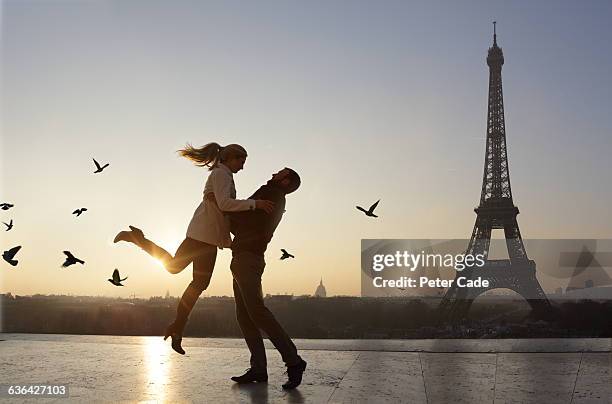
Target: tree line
x=303, y=317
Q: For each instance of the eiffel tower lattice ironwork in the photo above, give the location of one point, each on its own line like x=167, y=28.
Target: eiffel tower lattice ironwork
x=495, y=211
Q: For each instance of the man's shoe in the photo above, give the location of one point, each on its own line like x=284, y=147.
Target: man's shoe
x=177, y=338
x=251, y=376
x=295, y=375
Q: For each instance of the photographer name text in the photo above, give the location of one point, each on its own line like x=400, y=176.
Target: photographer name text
x=425, y=282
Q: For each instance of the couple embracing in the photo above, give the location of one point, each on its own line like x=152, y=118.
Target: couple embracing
x=252, y=222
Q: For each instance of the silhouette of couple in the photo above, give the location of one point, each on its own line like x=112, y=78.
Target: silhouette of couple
x=252, y=221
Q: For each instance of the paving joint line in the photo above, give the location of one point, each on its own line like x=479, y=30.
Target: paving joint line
x=342, y=378
x=423, y=378
x=576, y=380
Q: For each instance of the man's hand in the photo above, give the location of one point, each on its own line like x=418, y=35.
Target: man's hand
x=266, y=206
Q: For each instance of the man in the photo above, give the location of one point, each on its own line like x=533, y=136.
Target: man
x=252, y=232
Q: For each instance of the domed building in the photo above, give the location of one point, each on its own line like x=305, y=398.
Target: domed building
x=320, y=292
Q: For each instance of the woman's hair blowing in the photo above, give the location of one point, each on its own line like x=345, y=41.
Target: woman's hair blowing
x=211, y=154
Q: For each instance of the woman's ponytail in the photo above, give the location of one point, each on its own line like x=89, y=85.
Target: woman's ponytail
x=211, y=154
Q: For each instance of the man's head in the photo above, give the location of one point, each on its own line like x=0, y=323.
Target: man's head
x=287, y=179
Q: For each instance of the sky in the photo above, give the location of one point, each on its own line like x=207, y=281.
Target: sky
x=366, y=100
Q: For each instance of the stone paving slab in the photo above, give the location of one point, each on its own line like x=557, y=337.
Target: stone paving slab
x=145, y=369
x=594, y=381
x=536, y=377
x=389, y=376
x=459, y=377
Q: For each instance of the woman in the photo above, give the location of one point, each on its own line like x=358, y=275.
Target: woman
x=208, y=229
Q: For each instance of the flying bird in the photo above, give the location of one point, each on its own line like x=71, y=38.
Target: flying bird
x=6, y=206
x=71, y=259
x=285, y=254
x=9, y=225
x=116, y=278
x=99, y=168
x=79, y=211
x=369, y=212
x=10, y=254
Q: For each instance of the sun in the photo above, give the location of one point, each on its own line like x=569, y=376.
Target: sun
x=156, y=262
x=168, y=244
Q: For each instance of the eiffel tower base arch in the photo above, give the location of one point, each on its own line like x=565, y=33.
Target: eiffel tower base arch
x=519, y=277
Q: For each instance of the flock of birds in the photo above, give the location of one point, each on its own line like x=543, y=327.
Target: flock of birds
x=9, y=255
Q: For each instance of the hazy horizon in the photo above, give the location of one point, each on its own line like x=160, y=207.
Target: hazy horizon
x=365, y=100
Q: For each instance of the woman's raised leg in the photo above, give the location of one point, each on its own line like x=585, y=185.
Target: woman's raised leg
x=184, y=255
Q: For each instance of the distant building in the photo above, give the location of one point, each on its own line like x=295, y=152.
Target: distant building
x=320, y=292
x=279, y=298
x=167, y=294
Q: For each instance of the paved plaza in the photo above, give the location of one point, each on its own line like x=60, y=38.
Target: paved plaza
x=144, y=369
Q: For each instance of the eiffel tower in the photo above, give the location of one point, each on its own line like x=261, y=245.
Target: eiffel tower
x=495, y=211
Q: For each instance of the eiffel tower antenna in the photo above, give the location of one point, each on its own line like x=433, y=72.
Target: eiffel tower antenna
x=494, y=34
x=495, y=211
